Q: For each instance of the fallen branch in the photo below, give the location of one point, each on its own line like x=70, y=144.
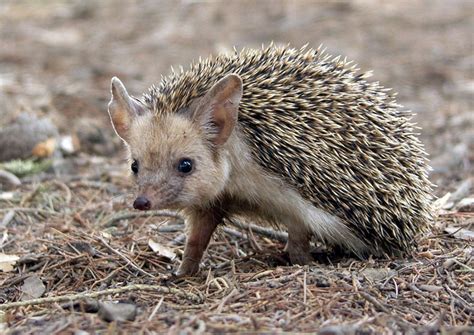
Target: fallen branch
x=375, y=302
x=266, y=232
x=263, y=231
x=29, y=210
x=137, y=214
x=78, y=296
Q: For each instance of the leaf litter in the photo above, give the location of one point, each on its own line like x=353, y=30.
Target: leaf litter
x=75, y=254
x=70, y=225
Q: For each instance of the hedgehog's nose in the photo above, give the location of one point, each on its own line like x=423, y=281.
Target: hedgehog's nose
x=142, y=204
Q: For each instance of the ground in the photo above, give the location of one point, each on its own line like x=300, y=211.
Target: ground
x=73, y=230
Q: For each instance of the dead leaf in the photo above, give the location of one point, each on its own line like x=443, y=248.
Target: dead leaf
x=7, y=262
x=45, y=149
x=162, y=250
x=32, y=288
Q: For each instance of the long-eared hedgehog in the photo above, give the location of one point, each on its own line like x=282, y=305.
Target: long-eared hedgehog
x=293, y=137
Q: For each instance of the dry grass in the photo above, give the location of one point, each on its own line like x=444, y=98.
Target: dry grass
x=68, y=234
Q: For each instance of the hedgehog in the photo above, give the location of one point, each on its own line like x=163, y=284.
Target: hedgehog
x=294, y=138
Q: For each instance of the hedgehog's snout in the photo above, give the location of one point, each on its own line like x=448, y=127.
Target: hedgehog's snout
x=142, y=203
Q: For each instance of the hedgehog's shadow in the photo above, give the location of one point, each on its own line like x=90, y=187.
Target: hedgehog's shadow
x=320, y=255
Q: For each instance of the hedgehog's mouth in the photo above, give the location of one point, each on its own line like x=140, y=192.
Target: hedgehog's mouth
x=157, y=199
x=157, y=196
x=145, y=202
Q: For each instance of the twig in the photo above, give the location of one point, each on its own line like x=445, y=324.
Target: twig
x=374, y=302
x=7, y=218
x=132, y=215
x=234, y=233
x=304, y=287
x=267, y=232
x=10, y=178
x=275, y=280
x=225, y=300
x=65, y=188
x=157, y=307
x=459, y=300
x=227, y=230
x=384, y=309
x=71, y=297
x=28, y=210
x=129, y=262
x=467, y=267
x=171, y=228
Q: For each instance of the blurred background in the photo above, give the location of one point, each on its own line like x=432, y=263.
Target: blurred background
x=57, y=58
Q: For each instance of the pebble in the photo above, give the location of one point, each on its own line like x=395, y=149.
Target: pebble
x=109, y=311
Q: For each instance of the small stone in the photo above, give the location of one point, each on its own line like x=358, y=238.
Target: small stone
x=33, y=130
x=9, y=180
x=466, y=205
x=109, y=311
x=32, y=288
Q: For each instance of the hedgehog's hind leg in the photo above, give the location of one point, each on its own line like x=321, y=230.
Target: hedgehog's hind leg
x=330, y=229
x=298, y=245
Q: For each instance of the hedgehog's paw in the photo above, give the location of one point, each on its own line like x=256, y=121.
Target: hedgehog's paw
x=189, y=267
x=300, y=257
x=298, y=246
x=299, y=250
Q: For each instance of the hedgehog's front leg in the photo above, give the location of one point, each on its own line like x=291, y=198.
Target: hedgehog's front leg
x=200, y=226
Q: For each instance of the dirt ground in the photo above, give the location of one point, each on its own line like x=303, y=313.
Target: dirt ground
x=71, y=225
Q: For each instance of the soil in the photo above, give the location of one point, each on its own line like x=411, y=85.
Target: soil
x=65, y=224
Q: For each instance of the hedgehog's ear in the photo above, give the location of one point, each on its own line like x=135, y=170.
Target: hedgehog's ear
x=122, y=109
x=218, y=109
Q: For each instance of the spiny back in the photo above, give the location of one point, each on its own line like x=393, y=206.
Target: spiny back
x=339, y=140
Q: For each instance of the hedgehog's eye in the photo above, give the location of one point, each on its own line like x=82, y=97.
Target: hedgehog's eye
x=134, y=166
x=185, y=165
